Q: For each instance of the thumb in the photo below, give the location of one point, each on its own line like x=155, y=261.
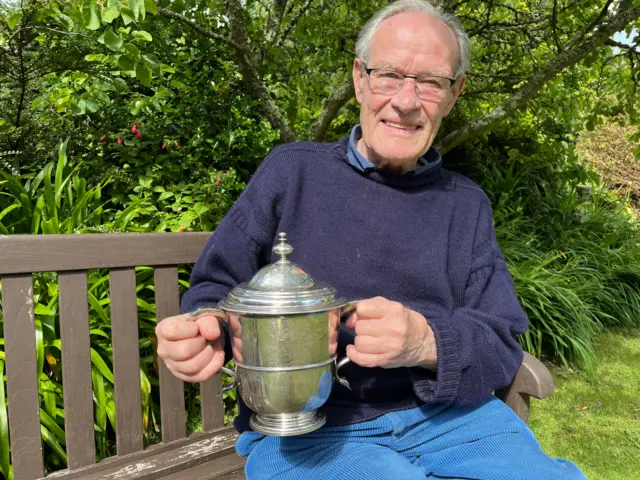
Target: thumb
x=351, y=320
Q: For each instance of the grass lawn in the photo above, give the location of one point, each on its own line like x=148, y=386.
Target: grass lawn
x=594, y=419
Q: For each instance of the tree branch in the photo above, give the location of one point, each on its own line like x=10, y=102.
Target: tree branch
x=330, y=108
x=210, y=34
x=254, y=84
x=294, y=21
x=566, y=58
x=275, y=20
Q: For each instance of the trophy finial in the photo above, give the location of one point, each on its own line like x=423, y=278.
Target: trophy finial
x=283, y=248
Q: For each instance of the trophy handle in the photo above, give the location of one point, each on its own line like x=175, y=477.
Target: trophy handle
x=345, y=309
x=234, y=384
x=214, y=311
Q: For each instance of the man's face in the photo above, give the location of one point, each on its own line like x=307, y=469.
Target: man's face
x=399, y=129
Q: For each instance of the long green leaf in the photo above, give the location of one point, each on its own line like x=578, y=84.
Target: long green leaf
x=95, y=304
x=101, y=410
x=62, y=163
x=101, y=365
x=5, y=467
x=51, y=440
x=51, y=424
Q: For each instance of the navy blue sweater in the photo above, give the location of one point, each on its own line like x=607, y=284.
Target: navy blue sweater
x=424, y=240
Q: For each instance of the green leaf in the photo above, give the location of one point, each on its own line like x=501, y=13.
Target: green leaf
x=109, y=14
x=113, y=41
x=91, y=105
x=14, y=19
x=131, y=50
x=126, y=63
x=142, y=35
x=89, y=15
x=43, y=310
x=51, y=424
x=138, y=9
x=152, y=62
x=151, y=7
x=78, y=108
x=143, y=74
x=96, y=57
x=47, y=388
x=50, y=440
x=101, y=365
x=101, y=413
x=5, y=467
x=127, y=15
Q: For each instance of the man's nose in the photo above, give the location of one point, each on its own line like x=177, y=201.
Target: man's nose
x=407, y=99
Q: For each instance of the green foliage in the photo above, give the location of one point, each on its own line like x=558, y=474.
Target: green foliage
x=575, y=259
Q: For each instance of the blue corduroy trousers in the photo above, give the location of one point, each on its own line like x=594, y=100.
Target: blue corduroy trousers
x=485, y=442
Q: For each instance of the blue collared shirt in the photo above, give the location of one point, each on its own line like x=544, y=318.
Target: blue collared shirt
x=358, y=161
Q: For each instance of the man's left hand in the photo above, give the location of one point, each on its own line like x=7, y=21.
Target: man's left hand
x=388, y=335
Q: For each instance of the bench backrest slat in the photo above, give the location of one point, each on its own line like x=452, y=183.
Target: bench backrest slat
x=22, y=376
x=171, y=387
x=76, y=365
x=211, y=403
x=126, y=360
x=57, y=253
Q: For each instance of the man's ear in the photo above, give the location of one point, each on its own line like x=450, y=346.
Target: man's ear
x=456, y=90
x=358, y=78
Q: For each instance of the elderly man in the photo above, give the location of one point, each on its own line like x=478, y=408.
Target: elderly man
x=376, y=216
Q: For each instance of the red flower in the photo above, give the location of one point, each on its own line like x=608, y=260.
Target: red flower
x=177, y=145
x=102, y=139
x=134, y=129
x=139, y=135
x=164, y=147
x=217, y=181
x=119, y=141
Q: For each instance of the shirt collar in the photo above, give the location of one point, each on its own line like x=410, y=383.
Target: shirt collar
x=431, y=159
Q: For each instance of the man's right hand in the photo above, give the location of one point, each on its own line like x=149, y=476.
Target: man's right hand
x=192, y=349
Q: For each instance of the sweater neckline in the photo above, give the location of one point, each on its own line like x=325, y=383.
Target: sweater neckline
x=396, y=180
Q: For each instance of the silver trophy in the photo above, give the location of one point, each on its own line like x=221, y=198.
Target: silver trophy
x=284, y=334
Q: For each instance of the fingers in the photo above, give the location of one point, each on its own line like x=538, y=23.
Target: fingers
x=176, y=328
x=368, y=360
x=181, y=350
x=202, y=366
x=371, y=345
x=376, y=307
x=209, y=326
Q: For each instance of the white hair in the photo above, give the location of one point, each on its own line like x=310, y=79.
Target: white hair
x=423, y=6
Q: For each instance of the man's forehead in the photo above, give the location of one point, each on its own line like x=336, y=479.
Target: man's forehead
x=414, y=40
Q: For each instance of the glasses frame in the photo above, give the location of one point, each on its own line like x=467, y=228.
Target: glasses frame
x=452, y=81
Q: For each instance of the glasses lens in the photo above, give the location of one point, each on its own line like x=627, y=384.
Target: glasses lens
x=432, y=88
x=386, y=82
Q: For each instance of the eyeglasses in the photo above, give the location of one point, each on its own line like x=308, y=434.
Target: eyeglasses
x=431, y=88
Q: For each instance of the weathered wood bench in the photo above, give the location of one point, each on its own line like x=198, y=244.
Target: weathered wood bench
x=205, y=455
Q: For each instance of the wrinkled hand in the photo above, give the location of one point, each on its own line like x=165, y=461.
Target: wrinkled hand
x=193, y=350
x=389, y=335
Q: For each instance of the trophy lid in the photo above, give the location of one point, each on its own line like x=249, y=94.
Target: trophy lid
x=280, y=288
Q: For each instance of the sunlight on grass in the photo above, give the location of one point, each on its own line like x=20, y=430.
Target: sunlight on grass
x=594, y=420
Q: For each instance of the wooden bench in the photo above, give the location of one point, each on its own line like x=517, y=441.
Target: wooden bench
x=205, y=455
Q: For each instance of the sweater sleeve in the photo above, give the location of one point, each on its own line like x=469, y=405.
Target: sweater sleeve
x=241, y=244
x=477, y=347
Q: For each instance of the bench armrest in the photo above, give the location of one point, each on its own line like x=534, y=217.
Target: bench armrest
x=532, y=380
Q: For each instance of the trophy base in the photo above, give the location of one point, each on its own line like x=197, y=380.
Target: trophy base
x=287, y=424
